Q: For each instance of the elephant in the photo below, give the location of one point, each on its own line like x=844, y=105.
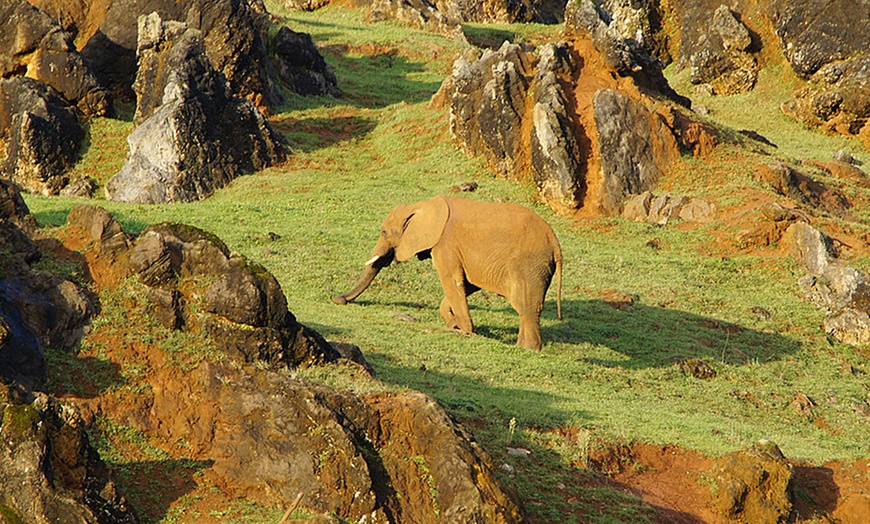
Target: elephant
x=505, y=249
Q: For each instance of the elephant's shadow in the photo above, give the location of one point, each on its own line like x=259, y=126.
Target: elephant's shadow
x=649, y=336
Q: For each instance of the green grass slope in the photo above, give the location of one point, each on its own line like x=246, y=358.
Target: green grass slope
x=604, y=374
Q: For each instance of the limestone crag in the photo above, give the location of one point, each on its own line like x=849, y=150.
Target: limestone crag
x=198, y=137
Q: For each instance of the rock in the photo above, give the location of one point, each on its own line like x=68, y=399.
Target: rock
x=33, y=44
x=721, y=56
x=243, y=309
x=646, y=207
x=386, y=457
x=110, y=50
x=305, y=5
x=753, y=485
x=487, y=96
x=818, y=32
x=635, y=148
x=799, y=187
x=43, y=135
x=422, y=14
x=50, y=471
x=80, y=187
x=556, y=156
x=299, y=65
x=844, y=171
x=447, y=16
x=166, y=163
x=233, y=33
x=626, y=54
x=99, y=226
x=353, y=353
x=810, y=246
x=37, y=310
x=826, y=42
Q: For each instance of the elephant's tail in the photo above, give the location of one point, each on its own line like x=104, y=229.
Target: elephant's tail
x=557, y=257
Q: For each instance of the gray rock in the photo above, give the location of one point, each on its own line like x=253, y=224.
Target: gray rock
x=299, y=65
x=30, y=40
x=50, y=471
x=635, y=148
x=810, y=246
x=557, y=164
x=199, y=138
x=721, y=57
x=43, y=135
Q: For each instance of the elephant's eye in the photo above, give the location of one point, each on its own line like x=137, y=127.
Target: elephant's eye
x=383, y=232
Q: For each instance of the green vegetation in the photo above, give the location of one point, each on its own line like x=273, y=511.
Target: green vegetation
x=604, y=374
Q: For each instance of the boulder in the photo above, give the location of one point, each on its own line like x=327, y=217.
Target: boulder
x=198, y=138
x=556, y=156
x=233, y=31
x=34, y=45
x=36, y=310
x=50, y=471
x=843, y=292
x=300, y=67
x=447, y=16
x=625, y=54
x=826, y=42
x=43, y=135
x=635, y=147
x=243, y=308
x=385, y=457
x=753, y=485
x=804, y=190
x=814, y=33
x=723, y=56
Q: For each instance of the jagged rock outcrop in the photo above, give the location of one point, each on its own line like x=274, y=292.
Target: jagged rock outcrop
x=722, y=57
x=488, y=96
x=628, y=55
x=50, y=471
x=235, y=34
x=753, y=485
x=33, y=45
x=194, y=136
x=447, y=16
x=300, y=67
x=635, y=148
x=36, y=310
x=386, y=457
x=42, y=134
x=827, y=42
x=843, y=292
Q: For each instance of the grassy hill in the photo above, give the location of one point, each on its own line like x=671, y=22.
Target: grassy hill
x=605, y=375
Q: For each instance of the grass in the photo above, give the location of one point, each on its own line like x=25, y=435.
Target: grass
x=609, y=375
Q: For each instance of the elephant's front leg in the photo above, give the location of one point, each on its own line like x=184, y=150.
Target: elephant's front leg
x=454, y=306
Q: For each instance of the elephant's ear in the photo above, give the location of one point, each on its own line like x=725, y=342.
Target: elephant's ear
x=423, y=227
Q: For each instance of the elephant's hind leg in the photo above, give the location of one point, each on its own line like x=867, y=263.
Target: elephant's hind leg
x=529, y=308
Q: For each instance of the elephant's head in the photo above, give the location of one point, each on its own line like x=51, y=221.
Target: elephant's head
x=407, y=231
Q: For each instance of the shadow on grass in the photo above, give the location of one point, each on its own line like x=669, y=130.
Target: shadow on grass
x=310, y=134
x=650, y=336
x=152, y=486
x=655, y=336
x=375, y=76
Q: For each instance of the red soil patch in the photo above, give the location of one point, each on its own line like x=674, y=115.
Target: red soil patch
x=674, y=482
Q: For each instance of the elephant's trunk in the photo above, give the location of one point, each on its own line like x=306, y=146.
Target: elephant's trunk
x=373, y=267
